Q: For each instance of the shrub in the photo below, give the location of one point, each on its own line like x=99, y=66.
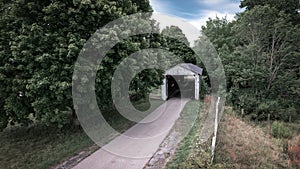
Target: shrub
x=279, y=130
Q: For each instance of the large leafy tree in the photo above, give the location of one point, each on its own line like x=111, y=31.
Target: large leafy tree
x=259, y=53
x=143, y=83
x=179, y=45
x=219, y=31
x=40, y=42
x=267, y=74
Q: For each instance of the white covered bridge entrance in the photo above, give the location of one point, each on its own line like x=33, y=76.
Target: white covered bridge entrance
x=182, y=80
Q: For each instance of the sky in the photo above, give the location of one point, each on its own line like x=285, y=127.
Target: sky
x=197, y=12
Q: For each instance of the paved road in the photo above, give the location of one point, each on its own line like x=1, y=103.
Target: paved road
x=135, y=147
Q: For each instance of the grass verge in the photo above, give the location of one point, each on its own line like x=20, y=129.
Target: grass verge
x=241, y=144
x=246, y=145
x=39, y=147
x=191, y=152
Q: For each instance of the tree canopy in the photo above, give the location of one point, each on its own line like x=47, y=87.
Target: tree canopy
x=39, y=45
x=289, y=7
x=259, y=52
x=40, y=42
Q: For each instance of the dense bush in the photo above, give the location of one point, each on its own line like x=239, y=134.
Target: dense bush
x=279, y=130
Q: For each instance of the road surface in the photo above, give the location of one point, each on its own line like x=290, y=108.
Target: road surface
x=134, y=148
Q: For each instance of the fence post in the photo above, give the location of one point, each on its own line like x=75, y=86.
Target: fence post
x=214, y=139
x=269, y=125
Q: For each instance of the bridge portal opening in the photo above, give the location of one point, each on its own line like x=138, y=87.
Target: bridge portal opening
x=180, y=86
x=182, y=80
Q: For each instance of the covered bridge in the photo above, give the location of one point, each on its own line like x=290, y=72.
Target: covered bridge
x=182, y=80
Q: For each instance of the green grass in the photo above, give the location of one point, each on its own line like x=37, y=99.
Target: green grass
x=183, y=151
x=179, y=160
x=42, y=147
x=39, y=147
x=191, y=152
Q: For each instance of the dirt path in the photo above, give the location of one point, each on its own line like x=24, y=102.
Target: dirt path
x=135, y=147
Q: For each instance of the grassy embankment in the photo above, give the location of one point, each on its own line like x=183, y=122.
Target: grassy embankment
x=241, y=144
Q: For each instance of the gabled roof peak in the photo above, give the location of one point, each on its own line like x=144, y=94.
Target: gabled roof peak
x=191, y=67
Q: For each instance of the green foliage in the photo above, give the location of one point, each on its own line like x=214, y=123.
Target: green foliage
x=179, y=45
x=267, y=55
x=279, y=130
x=219, y=33
x=259, y=52
x=213, y=70
x=39, y=44
x=290, y=7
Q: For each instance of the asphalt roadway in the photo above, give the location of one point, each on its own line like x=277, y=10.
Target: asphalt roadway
x=134, y=148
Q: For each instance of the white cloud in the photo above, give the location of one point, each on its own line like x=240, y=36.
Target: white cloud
x=160, y=6
x=213, y=9
x=220, y=5
x=211, y=2
x=198, y=23
x=190, y=32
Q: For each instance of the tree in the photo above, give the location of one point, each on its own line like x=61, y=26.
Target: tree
x=289, y=7
x=267, y=53
x=219, y=32
x=40, y=42
x=259, y=52
x=179, y=46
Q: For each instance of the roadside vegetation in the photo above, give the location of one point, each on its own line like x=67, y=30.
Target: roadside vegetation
x=246, y=144
x=192, y=151
x=40, y=147
x=241, y=144
x=260, y=53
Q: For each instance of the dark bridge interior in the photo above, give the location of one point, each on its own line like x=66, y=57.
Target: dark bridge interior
x=187, y=84
x=173, y=87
